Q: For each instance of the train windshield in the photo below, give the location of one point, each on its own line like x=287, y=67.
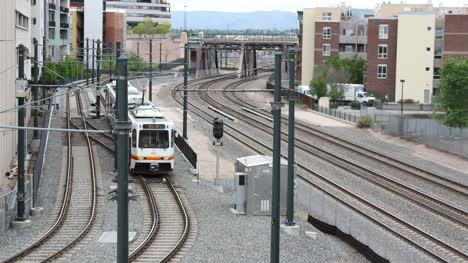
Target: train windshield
x=153, y=139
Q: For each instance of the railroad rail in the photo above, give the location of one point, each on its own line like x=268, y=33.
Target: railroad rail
x=72, y=223
x=432, y=246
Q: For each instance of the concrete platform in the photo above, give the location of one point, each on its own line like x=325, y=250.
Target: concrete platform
x=17, y=225
x=111, y=237
x=294, y=230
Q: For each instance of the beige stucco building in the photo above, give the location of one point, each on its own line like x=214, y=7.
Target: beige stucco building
x=386, y=10
x=310, y=17
x=415, y=56
x=7, y=83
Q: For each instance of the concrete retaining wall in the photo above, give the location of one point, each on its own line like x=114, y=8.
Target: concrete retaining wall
x=327, y=209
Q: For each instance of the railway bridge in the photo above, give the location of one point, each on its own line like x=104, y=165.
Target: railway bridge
x=206, y=53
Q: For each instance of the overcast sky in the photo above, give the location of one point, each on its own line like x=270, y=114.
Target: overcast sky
x=286, y=5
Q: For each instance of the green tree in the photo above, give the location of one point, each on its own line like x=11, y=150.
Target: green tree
x=319, y=85
x=453, y=92
x=336, y=92
x=354, y=66
x=49, y=77
x=162, y=28
x=145, y=28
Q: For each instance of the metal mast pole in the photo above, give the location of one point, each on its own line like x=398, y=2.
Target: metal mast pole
x=44, y=58
x=150, y=83
x=92, y=63
x=122, y=129
x=275, y=215
x=87, y=61
x=185, y=91
x=98, y=97
x=117, y=91
x=291, y=135
x=34, y=90
x=21, y=143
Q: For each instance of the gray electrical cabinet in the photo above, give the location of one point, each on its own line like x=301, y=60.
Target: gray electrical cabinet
x=253, y=183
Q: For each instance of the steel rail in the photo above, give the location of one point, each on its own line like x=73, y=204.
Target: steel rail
x=155, y=221
x=93, y=175
x=410, y=229
x=448, y=211
x=186, y=219
x=65, y=203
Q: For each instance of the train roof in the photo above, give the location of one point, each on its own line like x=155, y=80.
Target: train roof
x=148, y=114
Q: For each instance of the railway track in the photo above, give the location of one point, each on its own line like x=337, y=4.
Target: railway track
x=360, y=170
x=76, y=205
x=431, y=246
x=169, y=227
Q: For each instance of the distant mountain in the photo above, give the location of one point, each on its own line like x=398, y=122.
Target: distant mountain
x=235, y=20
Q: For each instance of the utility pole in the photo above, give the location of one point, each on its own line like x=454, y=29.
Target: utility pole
x=160, y=54
x=92, y=63
x=98, y=96
x=122, y=128
x=117, y=51
x=34, y=90
x=402, y=83
x=20, y=89
x=87, y=61
x=185, y=91
x=150, y=83
x=291, y=135
x=275, y=211
x=117, y=55
x=44, y=69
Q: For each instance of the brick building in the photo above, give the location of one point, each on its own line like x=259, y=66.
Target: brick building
x=381, y=56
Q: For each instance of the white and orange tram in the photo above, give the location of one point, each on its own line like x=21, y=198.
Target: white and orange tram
x=152, y=135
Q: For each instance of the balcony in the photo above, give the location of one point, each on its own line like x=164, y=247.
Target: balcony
x=64, y=26
x=52, y=23
x=344, y=39
x=52, y=6
x=351, y=54
x=64, y=10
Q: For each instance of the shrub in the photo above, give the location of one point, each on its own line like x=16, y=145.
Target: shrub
x=364, y=122
x=408, y=101
x=355, y=105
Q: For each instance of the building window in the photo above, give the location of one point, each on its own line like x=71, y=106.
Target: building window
x=429, y=28
x=34, y=21
x=438, y=53
x=428, y=68
x=428, y=49
x=383, y=31
x=348, y=32
x=326, y=16
x=383, y=51
x=326, y=50
x=407, y=9
x=439, y=33
x=436, y=73
x=51, y=33
x=382, y=71
x=22, y=21
x=326, y=32
x=418, y=9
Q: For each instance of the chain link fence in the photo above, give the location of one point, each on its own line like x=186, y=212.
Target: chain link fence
x=8, y=206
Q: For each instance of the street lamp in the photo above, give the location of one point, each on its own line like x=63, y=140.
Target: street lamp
x=402, y=82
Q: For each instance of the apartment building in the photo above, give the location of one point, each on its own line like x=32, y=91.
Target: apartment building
x=415, y=56
x=317, y=27
x=400, y=42
x=8, y=72
x=23, y=29
x=108, y=27
x=57, y=28
x=138, y=10
x=382, y=56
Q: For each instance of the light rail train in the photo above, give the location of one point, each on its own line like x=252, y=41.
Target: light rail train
x=152, y=135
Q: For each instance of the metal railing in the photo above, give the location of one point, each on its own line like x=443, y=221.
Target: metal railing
x=340, y=114
x=253, y=37
x=8, y=206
